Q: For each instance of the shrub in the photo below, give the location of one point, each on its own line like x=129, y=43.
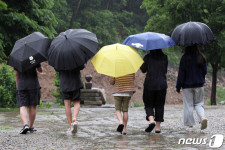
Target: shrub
x=41, y=105
x=48, y=105
x=57, y=94
x=7, y=87
x=208, y=102
x=220, y=94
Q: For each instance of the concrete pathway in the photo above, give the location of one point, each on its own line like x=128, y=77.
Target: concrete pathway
x=97, y=130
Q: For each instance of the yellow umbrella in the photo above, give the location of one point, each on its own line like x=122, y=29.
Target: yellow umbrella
x=117, y=60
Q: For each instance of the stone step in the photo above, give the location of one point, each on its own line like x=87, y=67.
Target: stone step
x=86, y=102
x=90, y=90
x=92, y=94
x=91, y=98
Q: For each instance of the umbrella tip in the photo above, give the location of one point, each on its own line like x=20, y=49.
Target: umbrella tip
x=66, y=37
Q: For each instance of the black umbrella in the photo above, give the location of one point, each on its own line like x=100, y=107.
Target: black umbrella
x=191, y=33
x=72, y=48
x=29, y=51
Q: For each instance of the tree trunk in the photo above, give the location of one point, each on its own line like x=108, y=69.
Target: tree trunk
x=214, y=82
x=74, y=14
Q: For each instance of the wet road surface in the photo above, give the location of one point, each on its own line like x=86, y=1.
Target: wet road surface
x=97, y=130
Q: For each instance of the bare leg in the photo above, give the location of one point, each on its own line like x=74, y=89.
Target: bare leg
x=157, y=127
x=67, y=104
x=23, y=114
x=125, y=119
x=151, y=119
x=119, y=116
x=32, y=115
x=76, y=109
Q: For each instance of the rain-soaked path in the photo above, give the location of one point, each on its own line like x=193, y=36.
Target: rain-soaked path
x=97, y=130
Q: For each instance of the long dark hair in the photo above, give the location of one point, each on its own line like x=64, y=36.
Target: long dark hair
x=158, y=53
x=191, y=51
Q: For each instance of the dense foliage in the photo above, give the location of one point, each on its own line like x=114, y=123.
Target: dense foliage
x=166, y=15
x=18, y=19
x=7, y=87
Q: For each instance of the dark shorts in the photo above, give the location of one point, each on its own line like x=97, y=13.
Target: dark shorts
x=73, y=95
x=28, y=97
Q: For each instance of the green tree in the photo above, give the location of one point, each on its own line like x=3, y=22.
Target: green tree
x=18, y=19
x=166, y=15
x=62, y=15
x=110, y=20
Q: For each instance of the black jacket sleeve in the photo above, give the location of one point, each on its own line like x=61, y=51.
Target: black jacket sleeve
x=144, y=66
x=181, y=75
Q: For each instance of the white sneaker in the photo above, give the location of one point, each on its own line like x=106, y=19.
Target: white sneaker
x=74, y=127
x=203, y=123
x=190, y=129
x=68, y=132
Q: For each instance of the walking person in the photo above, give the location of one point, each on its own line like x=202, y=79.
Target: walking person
x=28, y=96
x=123, y=91
x=70, y=85
x=155, y=86
x=191, y=78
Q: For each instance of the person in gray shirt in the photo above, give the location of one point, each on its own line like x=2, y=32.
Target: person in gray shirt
x=28, y=95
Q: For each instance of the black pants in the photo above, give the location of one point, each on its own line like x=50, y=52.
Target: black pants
x=154, y=100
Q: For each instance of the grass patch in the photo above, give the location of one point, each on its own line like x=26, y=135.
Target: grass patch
x=46, y=113
x=60, y=106
x=9, y=109
x=5, y=128
x=136, y=104
x=220, y=95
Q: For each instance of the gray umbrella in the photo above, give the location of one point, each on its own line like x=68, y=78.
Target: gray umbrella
x=29, y=51
x=72, y=49
x=191, y=33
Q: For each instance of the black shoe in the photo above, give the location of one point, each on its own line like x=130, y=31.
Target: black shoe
x=120, y=128
x=124, y=133
x=150, y=127
x=157, y=131
x=32, y=130
x=25, y=129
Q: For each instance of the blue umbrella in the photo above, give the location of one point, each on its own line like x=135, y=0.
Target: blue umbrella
x=149, y=41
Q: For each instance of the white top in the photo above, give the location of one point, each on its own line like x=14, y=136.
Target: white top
x=128, y=94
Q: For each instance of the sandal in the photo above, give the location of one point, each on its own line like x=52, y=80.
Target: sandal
x=157, y=131
x=120, y=128
x=150, y=127
x=32, y=130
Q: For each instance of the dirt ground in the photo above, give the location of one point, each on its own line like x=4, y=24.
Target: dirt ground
x=101, y=81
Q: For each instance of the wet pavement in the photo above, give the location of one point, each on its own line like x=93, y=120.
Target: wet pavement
x=97, y=130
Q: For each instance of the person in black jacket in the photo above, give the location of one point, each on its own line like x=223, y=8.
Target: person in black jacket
x=155, y=86
x=191, y=78
x=70, y=85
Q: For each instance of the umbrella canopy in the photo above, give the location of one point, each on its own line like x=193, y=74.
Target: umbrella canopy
x=149, y=41
x=117, y=60
x=29, y=51
x=191, y=33
x=72, y=48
